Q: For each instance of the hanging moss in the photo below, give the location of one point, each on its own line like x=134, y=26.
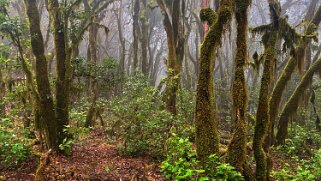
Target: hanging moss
x=207, y=141
x=293, y=103
x=236, y=154
x=286, y=76
x=263, y=29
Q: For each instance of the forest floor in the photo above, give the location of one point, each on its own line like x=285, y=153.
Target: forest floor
x=94, y=159
x=91, y=159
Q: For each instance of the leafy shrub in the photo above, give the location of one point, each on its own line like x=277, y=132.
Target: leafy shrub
x=66, y=146
x=184, y=123
x=74, y=134
x=181, y=164
x=299, y=139
x=12, y=148
x=139, y=119
x=308, y=170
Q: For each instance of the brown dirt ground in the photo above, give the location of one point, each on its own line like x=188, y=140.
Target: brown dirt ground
x=91, y=159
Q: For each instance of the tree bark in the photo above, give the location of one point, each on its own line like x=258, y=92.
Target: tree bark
x=135, y=34
x=236, y=154
x=261, y=153
x=293, y=103
x=287, y=73
x=207, y=141
x=46, y=106
x=62, y=112
x=175, y=45
x=144, y=38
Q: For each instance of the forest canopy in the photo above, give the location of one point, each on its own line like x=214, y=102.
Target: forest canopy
x=160, y=90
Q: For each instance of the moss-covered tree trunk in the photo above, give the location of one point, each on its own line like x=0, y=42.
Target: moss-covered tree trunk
x=174, y=30
x=286, y=75
x=62, y=112
x=261, y=153
x=46, y=106
x=207, y=140
x=236, y=154
x=262, y=117
x=293, y=103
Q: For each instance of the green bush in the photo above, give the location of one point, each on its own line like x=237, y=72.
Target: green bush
x=139, y=119
x=299, y=138
x=12, y=145
x=181, y=164
x=308, y=170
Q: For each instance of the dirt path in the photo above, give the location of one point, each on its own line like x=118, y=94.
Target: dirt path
x=92, y=159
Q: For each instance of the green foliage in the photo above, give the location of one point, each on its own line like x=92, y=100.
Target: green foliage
x=106, y=73
x=299, y=139
x=78, y=113
x=66, y=146
x=12, y=145
x=181, y=163
x=74, y=134
x=10, y=26
x=138, y=118
x=308, y=170
x=184, y=123
x=181, y=160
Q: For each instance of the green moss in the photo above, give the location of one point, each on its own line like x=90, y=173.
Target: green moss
x=207, y=141
x=237, y=149
x=284, y=79
x=293, y=103
x=208, y=15
x=277, y=94
x=262, y=115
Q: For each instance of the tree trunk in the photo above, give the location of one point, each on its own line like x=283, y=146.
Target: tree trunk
x=236, y=154
x=92, y=80
x=144, y=38
x=205, y=5
x=46, y=106
x=207, y=141
x=287, y=73
x=293, y=103
x=62, y=112
x=261, y=154
x=175, y=45
x=135, y=34
x=122, y=48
